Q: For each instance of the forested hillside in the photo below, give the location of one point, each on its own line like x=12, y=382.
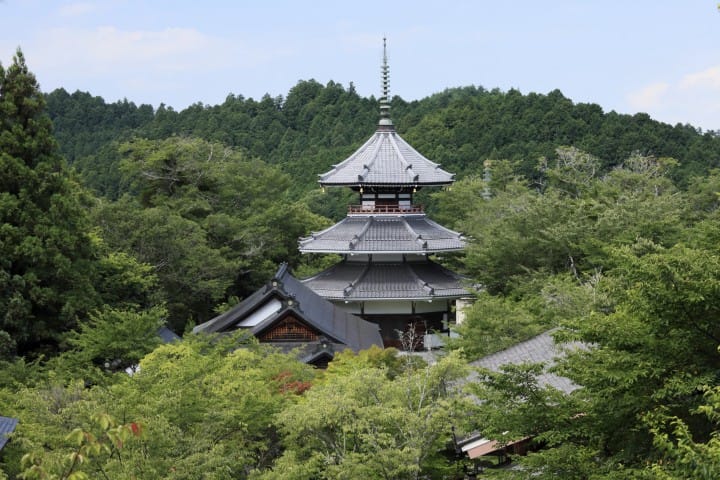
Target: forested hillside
x=118, y=219
x=315, y=126
x=222, y=176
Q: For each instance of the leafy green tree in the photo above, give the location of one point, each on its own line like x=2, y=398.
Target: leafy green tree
x=601, y=256
x=361, y=423
x=203, y=408
x=651, y=351
x=374, y=357
x=513, y=405
x=656, y=350
x=519, y=231
x=122, y=281
x=193, y=274
x=567, y=223
x=209, y=223
x=493, y=323
x=107, y=442
x=682, y=455
x=117, y=339
x=704, y=193
x=208, y=406
x=46, y=255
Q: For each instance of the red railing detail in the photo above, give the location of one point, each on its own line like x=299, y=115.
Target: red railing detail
x=361, y=209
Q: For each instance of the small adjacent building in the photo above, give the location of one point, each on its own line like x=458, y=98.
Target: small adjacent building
x=7, y=427
x=540, y=349
x=387, y=275
x=287, y=314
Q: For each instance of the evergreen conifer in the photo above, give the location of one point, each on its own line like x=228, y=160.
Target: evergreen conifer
x=45, y=249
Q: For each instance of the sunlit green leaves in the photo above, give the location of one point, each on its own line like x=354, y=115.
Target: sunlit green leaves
x=362, y=423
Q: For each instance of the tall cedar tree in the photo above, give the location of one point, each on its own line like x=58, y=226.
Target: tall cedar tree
x=45, y=250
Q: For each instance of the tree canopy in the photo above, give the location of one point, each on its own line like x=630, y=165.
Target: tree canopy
x=46, y=252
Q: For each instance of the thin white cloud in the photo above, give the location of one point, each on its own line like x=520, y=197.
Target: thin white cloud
x=109, y=49
x=172, y=65
x=708, y=78
x=649, y=97
x=694, y=95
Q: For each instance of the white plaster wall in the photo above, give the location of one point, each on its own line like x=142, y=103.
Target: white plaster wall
x=434, y=306
x=271, y=307
x=388, y=307
x=461, y=304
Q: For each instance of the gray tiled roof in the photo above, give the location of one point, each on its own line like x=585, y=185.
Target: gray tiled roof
x=7, y=426
x=383, y=233
x=359, y=281
x=167, y=336
x=386, y=159
x=340, y=327
x=539, y=349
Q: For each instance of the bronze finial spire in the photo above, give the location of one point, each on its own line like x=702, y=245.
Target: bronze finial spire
x=385, y=99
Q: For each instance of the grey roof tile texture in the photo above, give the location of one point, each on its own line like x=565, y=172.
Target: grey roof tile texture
x=167, y=336
x=386, y=159
x=539, y=349
x=383, y=233
x=7, y=426
x=356, y=281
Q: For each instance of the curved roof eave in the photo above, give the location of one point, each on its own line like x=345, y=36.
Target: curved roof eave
x=380, y=184
x=384, y=234
x=427, y=251
x=391, y=299
x=385, y=153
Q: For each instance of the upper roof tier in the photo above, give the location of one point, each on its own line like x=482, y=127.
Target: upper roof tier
x=386, y=160
x=383, y=234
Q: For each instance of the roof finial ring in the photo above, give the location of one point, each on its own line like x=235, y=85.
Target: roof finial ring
x=385, y=99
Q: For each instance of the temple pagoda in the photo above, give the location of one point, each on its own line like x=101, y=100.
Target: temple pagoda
x=386, y=241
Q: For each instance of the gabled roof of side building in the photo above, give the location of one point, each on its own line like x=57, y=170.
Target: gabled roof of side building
x=167, y=336
x=383, y=234
x=7, y=426
x=284, y=295
x=539, y=349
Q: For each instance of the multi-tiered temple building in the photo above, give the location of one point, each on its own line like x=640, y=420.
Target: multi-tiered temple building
x=386, y=241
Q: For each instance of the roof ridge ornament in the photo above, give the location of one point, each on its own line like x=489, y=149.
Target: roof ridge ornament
x=383, y=160
x=385, y=120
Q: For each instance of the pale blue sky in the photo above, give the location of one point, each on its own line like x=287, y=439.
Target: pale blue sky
x=661, y=57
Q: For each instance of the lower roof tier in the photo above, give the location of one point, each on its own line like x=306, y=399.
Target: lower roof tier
x=383, y=234
x=360, y=281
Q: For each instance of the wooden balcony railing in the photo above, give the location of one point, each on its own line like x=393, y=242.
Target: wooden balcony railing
x=380, y=209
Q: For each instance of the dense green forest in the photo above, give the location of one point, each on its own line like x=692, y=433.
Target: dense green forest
x=117, y=219
x=316, y=126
